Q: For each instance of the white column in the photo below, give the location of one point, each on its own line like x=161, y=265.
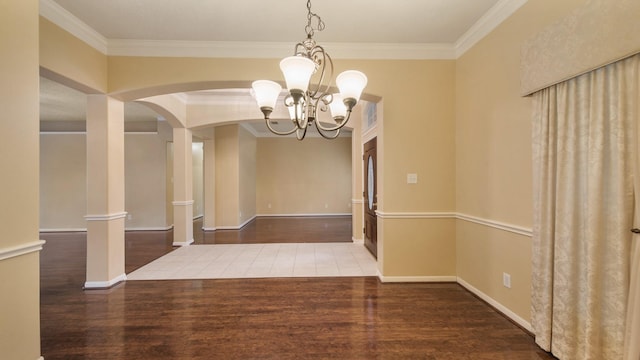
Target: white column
x=105, y=192
x=209, y=221
x=182, y=187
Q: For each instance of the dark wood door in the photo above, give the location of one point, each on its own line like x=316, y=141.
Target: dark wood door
x=370, y=197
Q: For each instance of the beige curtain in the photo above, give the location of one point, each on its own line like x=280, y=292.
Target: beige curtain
x=584, y=133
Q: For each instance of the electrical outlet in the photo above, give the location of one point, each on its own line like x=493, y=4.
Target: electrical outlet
x=269, y=205
x=326, y=206
x=129, y=216
x=506, y=280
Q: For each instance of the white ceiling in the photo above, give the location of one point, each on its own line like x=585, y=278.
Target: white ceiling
x=356, y=25
x=351, y=21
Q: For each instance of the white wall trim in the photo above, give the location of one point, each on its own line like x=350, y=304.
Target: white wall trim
x=55, y=13
x=48, y=230
x=459, y=216
x=503, y=309
x=22, y=249
x=496, y=225
x=357, y=241
x=357, y=201
x=370, y=133
x=237, y=227
x=160, y=228
x=209, y=229
x=40, y=358
x=185, y=243
x=106, y=217
x=182, y=202
x=416, y=215
x=487, y=23
x=305, y=215
x=271, y=50
x=409, y=279
x=105, y=284
x=275, y=50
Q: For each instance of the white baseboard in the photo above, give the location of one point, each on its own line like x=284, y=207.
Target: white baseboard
x=63, y=230
x=503, y=309
x=408, y=279
x=169, y=227
x=236, y=227
x=486, y=298
x=186, y=243
x=105, y=284
x=209, y=229
x=357, y=241
x=166, y=228
x=304, y=215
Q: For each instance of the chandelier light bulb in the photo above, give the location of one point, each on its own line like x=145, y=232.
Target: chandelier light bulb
x=297, y=72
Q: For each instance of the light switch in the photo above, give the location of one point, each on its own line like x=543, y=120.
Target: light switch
x=412, y=178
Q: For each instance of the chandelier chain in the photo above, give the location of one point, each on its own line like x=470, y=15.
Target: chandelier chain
x=310, y=28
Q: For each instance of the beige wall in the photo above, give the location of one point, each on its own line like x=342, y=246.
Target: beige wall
x=63, y=178
x=198, y=178
x=493, y=157
x=67, y=59
x=63, y=181
x=235, y=176
x=226, y=174
x=303, y=177
x=247, y=174
x=19, y=259
x=145, y=186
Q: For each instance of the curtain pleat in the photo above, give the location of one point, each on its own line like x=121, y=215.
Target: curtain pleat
x=632, y=338
x=584, y=133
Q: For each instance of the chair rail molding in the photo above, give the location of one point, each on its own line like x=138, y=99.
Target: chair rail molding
x=22, y=249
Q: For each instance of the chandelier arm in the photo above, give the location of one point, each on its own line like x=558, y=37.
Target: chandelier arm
x=304, y=133
x=328, y=137
x=338, y=126
x=279, y=132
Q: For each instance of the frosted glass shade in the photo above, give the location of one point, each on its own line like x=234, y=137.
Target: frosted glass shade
x=297, y=72
x=351, y=83
x=266, y=92
x=337, y=107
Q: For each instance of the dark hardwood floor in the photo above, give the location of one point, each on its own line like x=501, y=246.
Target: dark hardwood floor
x=280, y=230
x=297, y=318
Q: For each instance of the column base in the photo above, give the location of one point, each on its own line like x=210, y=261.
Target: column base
x=186, y=243
x=104, y=284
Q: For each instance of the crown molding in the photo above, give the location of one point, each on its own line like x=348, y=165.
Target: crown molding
x=69, y=22
x=487, y=22
x=208, y=49
x=235, y=49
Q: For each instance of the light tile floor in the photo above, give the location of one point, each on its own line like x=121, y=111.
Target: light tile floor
x=260, y=261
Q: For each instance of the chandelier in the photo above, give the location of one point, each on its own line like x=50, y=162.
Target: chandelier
x=308, y=76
